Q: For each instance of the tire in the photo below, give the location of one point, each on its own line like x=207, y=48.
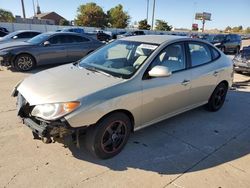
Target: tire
x=217, y=98
x=24, y=62
x=237, y=50
x=108, y=137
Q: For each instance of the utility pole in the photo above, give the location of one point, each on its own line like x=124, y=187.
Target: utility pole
x=34, y=9
x=203, y=24
x=23, y=9
x=153, y=16
x=147, y=9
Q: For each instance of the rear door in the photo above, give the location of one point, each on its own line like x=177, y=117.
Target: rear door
x=77, y=47
x=204, y=71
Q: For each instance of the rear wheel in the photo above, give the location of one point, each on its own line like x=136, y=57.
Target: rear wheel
x=218, y=97
x=108, y=137
x=24, y=62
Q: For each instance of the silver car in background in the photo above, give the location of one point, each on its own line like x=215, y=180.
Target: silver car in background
x=124, y=86
x=47, y=48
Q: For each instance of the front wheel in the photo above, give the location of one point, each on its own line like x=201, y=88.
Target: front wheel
x=217, y=98
x=24, y=62
x=108, y=137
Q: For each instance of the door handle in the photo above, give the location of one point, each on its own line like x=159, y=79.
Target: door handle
x=185, y=82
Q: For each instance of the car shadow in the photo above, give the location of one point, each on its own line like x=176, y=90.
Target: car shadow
x=192, y=141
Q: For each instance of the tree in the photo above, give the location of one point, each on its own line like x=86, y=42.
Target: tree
x=117, y=17
x=235, y=29
x=91, y=15
x=162, y=25
x=64, y=22
x=228, y=29
x=143, y=24
x=6, y=16
x=247, y=30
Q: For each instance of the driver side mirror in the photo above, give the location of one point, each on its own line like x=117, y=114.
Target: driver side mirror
x=46, y=43
x=159, y=71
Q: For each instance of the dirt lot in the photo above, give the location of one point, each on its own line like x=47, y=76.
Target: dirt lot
x=194, y=149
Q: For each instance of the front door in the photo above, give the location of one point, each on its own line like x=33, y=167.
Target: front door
x=55, y=52
x=166, y=96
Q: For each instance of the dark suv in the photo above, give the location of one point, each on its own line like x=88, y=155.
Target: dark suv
x=226, y=42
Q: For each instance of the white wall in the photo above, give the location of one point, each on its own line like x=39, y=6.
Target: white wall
x=44, y=28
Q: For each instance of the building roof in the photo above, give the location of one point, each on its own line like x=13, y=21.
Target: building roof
x=40, y=16
x=155, y=39
x=43, y=14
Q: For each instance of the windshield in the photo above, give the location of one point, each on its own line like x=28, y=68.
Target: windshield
x=216, y=38
x=39, y=38
x=120, y=58
x=9, y=36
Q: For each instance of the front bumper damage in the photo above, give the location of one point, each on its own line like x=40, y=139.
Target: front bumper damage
x=58, y=130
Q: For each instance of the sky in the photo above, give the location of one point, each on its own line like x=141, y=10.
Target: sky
x=178, y=13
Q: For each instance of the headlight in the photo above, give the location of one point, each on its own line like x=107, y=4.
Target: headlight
x=55, y=110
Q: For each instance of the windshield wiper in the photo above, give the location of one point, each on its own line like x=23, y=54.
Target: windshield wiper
x=93, y=69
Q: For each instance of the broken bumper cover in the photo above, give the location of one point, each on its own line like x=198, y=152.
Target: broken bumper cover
x=36, y=128
x=45, y=129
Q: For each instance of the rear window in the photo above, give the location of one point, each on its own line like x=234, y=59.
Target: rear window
x=215, y=53
x=200, y=54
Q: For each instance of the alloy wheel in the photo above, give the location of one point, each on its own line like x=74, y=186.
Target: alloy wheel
x=114, y=136
x=25, y=63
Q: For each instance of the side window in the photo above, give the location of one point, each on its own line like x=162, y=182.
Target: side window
x=79, y=39
x=172, y=57
x=23, y=35
x=200, y=54
x=33, y=34
x=215, y=53
x=55, y=39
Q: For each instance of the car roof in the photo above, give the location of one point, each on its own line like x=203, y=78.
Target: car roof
x=62, y=32
x=21, y=31
x=155, y=39
x=68, y=33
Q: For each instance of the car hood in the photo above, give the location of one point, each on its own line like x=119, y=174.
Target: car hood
x=63, y=84
x=7, y=45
